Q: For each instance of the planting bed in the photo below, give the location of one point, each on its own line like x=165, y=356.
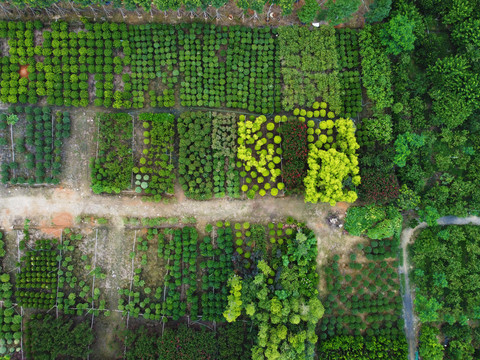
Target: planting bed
x=133, y=66
x=111, y=170
x=35, y=157
x=155, y=174
x=259, y=155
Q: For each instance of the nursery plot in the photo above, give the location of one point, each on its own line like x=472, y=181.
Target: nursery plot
x=175, y=295
x=80, y=277
x=36, y=154
x=259, y=155
x=146, y=291
x=216, y=268
x=226, y=178
x=195, y=163
x=309, y=66
x=133, y=66
x=111, y=170
x=363, y=295
x=349, y=66
x=154, y=174
x=10, y=320
x=153, y=50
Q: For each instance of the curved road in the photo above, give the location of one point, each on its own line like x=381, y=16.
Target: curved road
x=408, y=314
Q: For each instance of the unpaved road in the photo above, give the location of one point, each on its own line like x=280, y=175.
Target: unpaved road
x=408, y=314
x=43, y=205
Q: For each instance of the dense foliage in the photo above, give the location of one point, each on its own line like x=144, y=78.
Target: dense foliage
x=358, y=347
x=332, y=161
x=374, y=221
x=195, y=154
x=229, y=343
x=49, y=338
x=445, y=265
x=36, y=152
x=285, y=314
x=155, y=174
x=259, y=154
x=111, y=169
x=309, y=66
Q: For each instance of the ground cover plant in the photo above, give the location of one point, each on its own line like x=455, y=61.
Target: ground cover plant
x=259, y=155
x=154, y=175
x=309, y=66
x=111, y=169
x=35, y=144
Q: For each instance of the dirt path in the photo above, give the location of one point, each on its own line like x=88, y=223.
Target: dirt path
x=408, y=312
x=44, y=205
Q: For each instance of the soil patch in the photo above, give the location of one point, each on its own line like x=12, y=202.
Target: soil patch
x=55, y=227
x=23, y=71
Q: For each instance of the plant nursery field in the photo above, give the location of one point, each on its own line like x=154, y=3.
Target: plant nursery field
x=239, y=180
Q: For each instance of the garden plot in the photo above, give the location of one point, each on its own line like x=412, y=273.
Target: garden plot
x=309, y=67
x=363, y=293
x=349, y=66
x=154, y=173
x=111, y=169
x=144, y=294
x=122, y=66
x=259, y=156
x=35, y=156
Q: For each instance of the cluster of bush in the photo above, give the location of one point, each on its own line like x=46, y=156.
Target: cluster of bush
x=155, y=173
x=309, y=62
x=365, y=287
x=38, y=147
x=216, y=268
x=111, y=169
x=10, y=322
x=36, y=284
x=259, y=155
